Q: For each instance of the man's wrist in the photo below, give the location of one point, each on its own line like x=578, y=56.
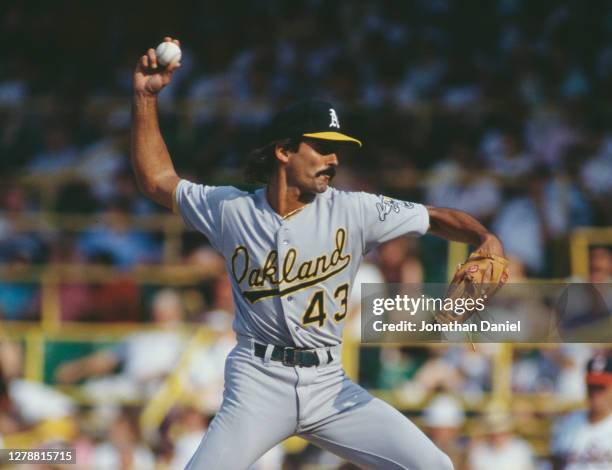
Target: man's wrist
x=144, y=103
x=491, y=244
x=145, y=96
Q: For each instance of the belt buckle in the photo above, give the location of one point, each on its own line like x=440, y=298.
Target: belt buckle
x=289, y=357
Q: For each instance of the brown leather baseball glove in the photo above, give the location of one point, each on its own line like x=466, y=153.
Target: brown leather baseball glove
x=479, y=277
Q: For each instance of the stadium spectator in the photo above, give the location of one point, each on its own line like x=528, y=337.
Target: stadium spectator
x=600, y=264
x=457, y=183
x=59, y=154
x=17, y=299
x=124, y=448
x=534, y=371
x=506, y=156
x=500, y=449
x=596, y=178
x=444, y=419
x=117, y=238
x=190, y=427
x=146, y=358
x=569, y=383
x=15, y=206
x=101, y=162
x=398, y=262
x=30, y=410
x=518, y=220
x=205, y=375
x=74, y=297
x=583, y=440
x=11, y=419
x=439, y=373
x=114, y=300
x=19, y=248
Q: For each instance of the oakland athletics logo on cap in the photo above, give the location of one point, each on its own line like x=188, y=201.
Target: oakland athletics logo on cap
x=599, y=364
x=334, y=119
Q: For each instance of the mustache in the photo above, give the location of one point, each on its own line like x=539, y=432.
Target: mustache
x=329, y=171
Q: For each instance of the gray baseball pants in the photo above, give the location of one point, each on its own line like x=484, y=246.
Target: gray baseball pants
x=265, y=402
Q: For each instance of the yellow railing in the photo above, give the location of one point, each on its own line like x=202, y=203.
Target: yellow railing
x=395, y=180
x=51, y=277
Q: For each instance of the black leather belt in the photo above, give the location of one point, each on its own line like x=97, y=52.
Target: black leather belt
x=292, y=356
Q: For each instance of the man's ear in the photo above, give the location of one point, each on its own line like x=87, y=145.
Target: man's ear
x=281, y=154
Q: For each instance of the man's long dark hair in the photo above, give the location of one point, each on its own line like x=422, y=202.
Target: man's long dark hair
x=261, y=162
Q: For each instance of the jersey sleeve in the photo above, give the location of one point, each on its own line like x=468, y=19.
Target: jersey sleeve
x=385, y=218
x=202, y=206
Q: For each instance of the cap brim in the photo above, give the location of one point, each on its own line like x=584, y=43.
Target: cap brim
x=599, y=379
x=337, y=136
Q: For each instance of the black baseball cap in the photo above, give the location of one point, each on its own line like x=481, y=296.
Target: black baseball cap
x=599, y=370
x=312, y=118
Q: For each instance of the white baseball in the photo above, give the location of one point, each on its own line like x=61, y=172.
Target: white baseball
x=167, y=52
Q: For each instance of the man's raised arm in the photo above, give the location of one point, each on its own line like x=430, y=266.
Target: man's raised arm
x=459, y=226
x=151, y=161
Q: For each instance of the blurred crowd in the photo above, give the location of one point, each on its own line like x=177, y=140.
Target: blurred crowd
x=498, y=108
x=452, y=383
x=503, y=106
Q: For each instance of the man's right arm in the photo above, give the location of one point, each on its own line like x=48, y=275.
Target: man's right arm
x=151, y=161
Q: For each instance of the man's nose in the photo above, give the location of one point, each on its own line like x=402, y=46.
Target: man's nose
x=331, y=159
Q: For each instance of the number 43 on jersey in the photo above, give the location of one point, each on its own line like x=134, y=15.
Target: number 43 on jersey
x=316, y=313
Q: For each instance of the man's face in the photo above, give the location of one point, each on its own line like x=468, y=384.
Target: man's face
x=600, y=264
x=600, y=398
x=313, y=166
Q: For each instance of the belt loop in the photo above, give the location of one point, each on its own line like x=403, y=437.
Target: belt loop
x=323, y=355
x=268, y=353
x=319, y=357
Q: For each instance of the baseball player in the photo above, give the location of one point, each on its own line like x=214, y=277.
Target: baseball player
x=292, y=249
x=583, y=440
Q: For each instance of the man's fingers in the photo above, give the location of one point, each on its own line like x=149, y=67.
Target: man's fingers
x=169, y=39
x=504, y=277
x=144, y=61
x=175, y=41
x=152, y=58
x=172, y=66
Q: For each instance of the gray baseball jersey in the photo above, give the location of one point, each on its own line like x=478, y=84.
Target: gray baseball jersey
x=291, y=277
